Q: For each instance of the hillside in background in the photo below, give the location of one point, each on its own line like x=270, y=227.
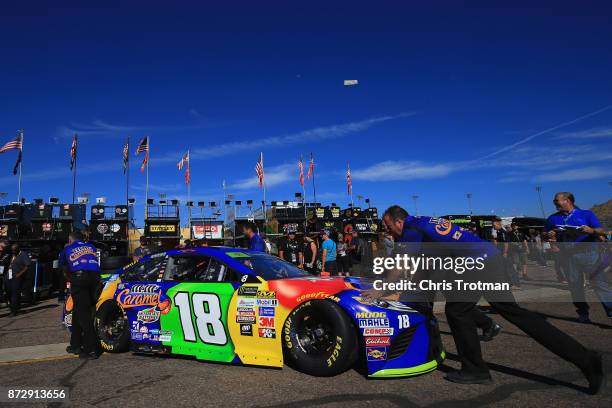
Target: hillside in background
x=604, y=213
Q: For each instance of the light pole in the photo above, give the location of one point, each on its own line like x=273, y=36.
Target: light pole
x=539, y=190
x=416, y=208
x=469, y=198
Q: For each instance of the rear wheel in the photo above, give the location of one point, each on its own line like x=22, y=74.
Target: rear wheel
x=112, y=328
x=320, y=339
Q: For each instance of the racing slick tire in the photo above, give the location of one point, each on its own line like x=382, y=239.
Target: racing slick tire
x=114, y=262
x=320, y=339
x=112, y=328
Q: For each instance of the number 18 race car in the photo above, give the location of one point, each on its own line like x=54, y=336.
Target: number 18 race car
x=237, y=306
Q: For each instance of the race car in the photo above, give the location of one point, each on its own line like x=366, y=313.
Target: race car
x=242, y=307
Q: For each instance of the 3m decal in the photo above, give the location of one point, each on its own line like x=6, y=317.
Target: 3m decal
x=266, y=322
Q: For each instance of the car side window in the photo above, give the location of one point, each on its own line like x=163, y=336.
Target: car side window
x=187, y=268
x=143, y=271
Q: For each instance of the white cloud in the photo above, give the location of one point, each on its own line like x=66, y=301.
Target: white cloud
x=585, y=173
x=401, y=170
x=594, y=133
x=273, y=176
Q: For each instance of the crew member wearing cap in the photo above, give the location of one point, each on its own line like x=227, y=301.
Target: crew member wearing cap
x=328, y=254
x=414, y=231
x=80, y=261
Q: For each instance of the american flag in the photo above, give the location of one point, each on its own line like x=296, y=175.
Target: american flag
x=349, y=183
x=73, y=152
x=259, y=169
x=143, y=146
x=301, y=167
x=13, y=144
x=182, y=163
x=310, y=168
x=126, y=155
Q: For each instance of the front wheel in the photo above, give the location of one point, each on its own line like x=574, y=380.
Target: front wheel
x=112, y=328
x=319, y=339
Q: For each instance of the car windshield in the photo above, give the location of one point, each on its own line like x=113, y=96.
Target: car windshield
x=270, y=267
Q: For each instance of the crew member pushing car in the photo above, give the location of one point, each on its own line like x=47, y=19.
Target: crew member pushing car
x=460, y=309
x=81, y=263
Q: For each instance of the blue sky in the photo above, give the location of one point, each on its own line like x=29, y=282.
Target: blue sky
x=451, y=99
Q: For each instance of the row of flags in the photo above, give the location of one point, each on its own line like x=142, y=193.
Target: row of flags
x=143, y=147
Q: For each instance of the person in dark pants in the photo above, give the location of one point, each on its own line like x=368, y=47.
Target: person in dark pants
x=308, y=258
x=19, y=263
x=460, y=313
x=81, y=261
x=328, y=253
x=5, y=259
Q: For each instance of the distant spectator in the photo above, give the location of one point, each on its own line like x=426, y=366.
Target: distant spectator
x=343, y=259
x=290, y=250
x=18, y=268
x=256, y=242
x=309, y=254
x=389, y=244
x=328, y=256
x=5, y=259
x=518, y=250
x=142, y=250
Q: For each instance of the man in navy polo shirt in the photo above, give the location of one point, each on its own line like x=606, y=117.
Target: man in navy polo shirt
x=256, y=242
x=461, y=306
x=578, y=231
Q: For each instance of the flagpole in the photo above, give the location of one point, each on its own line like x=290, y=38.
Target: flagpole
x=74, y=171
x=20, y=164
x=264, y=194
x=127, y=174
x=189, y=194
x=351, y=184
x=314, y=189
x=303, y=183
x=147, y=185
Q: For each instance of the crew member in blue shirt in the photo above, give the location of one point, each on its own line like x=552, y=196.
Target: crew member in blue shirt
x=256, y=242
x=80, y=261
x=460, y=306
x=578, y=232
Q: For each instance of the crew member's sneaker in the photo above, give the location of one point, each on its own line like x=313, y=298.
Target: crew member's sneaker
x=584, y=319
x=491, y=332
x=463, y=377
x=594, y=373
x=73, y=350
x=89, y=356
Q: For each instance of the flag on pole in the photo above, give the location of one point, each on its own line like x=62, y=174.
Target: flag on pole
x=14, y=144
x=73, y=152
x=184, y=162
x=143, y=146
x=259, y=169
x=126, y=155
x=301, y=167
x=349, y=183
x=310, y=168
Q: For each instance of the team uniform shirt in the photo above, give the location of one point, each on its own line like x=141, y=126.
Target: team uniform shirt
x=331, y=250
x=80, y=256
x=419, y=230
x=256, y=243
x=570, y=223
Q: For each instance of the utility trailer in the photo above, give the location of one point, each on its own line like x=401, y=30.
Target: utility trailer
x=162, y=225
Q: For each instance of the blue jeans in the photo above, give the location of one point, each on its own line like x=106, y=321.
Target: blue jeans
x=583, y=264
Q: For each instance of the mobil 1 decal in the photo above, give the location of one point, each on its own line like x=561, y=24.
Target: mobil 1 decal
x=198, y=320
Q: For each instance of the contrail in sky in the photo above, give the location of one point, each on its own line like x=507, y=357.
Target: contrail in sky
x=525, y=140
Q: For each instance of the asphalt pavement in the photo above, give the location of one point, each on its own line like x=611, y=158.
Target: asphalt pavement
x=524, y=373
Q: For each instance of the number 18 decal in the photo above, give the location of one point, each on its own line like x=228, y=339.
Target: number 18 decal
x=207, y=310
